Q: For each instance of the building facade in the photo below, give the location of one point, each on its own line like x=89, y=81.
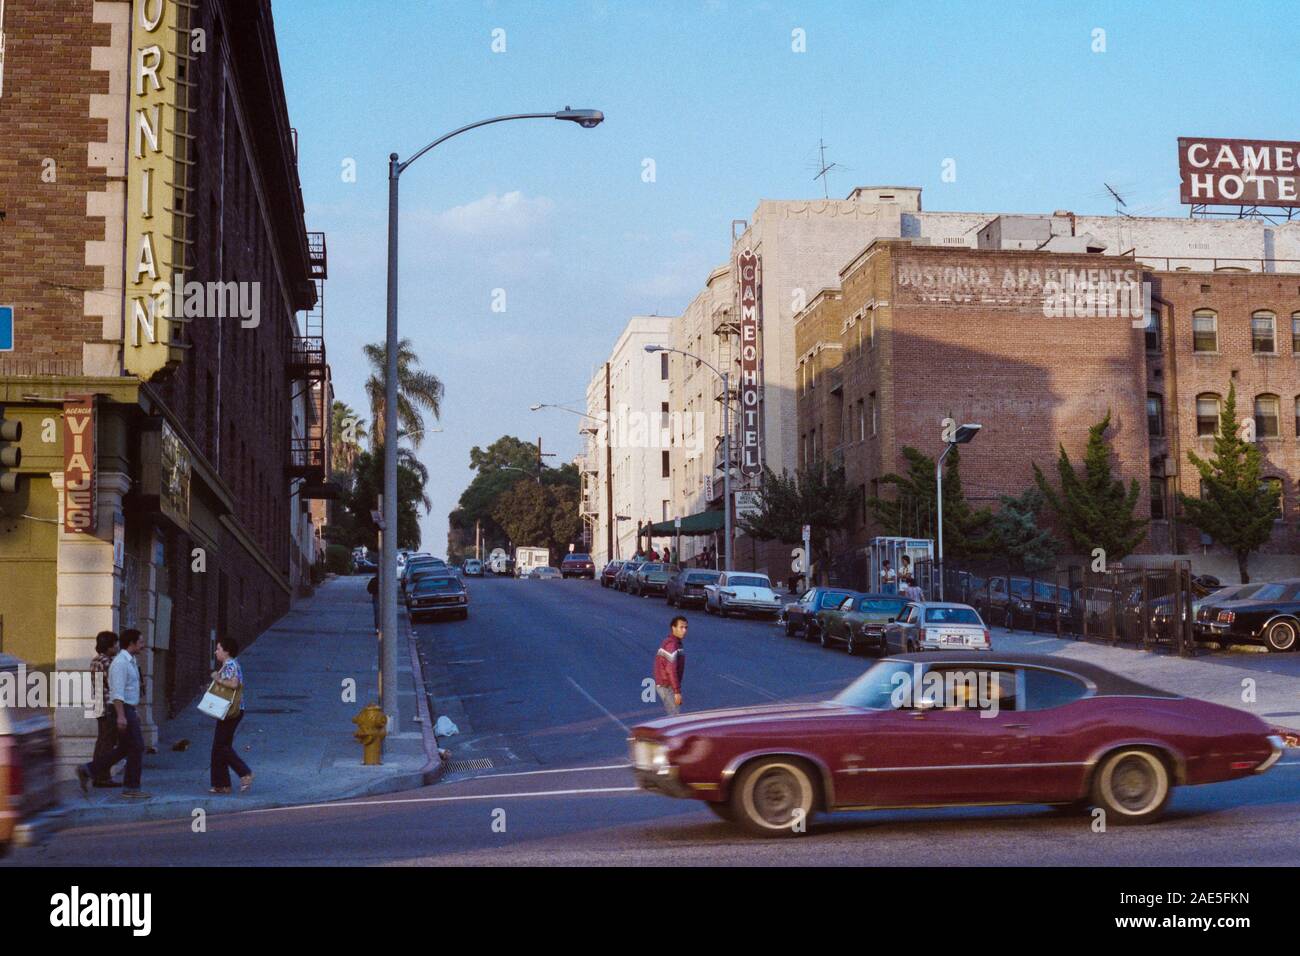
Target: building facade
x=166, y=366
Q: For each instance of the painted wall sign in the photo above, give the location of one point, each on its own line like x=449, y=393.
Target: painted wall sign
x=749, y=269
x=1239, y=172
x=157, y=182
x=79, y=464
x=174, y=481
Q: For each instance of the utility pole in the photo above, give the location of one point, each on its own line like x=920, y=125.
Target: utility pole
x=478, y=539
x=609, y=476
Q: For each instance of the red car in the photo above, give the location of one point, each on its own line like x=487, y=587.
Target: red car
x=578, y=566
x=951, y=728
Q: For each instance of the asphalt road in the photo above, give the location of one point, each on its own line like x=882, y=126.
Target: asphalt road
x=545, y=677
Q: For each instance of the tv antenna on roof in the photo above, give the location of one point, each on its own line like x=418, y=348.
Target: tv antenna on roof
x=1119, y=200
x=821, y=173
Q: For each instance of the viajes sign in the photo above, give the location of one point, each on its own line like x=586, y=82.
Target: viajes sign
x=749, y=268
x=1239, y=172
x=79, y=464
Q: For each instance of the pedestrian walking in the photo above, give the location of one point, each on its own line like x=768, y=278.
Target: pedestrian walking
x=670, y=666
x=224, y=757
x=914, y=592
x=373, y=588
x=106, y=645
x=124, y=694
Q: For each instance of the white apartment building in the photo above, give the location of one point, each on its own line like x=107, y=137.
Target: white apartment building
x=628, y=459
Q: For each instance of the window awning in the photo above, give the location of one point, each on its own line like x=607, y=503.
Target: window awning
x=704, y=522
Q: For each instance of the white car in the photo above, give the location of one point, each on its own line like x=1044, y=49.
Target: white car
x=743, y=592
x=937, y=626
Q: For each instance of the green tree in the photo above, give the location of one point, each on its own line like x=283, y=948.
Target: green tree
x=912, y=511
x=817, y=496
x=347, y=437
x=524, y=513
x=1237, y=510
x=418, y=392
x=1016, y=531
x=363, y=498
x=1093, y=510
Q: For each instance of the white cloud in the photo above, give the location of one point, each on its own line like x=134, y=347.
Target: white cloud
x=509, y=216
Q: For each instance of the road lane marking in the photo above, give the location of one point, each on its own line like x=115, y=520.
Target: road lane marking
x=578, y=688
x=467, y=796
x=1046, y=640
x=529, y=773
x=748, y=686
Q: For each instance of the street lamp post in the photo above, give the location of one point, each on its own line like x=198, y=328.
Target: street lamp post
x=726, y=446
x=388, y=621
x=962, y=436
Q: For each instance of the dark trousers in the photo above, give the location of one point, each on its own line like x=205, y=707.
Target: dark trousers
x=374, y=600
x=224, y=758
x=130, y=745
x=105, y=742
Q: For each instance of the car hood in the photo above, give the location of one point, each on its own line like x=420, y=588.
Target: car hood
x=763, y=715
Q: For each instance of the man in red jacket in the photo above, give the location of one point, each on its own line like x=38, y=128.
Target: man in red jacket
x=670, y=666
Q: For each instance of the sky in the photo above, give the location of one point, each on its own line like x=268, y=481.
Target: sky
x=526, y=246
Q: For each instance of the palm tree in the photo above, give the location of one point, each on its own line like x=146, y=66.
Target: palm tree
x=418, y=391
x=347, y=432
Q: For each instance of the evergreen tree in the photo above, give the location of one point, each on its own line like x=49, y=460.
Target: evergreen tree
x=1016, y=532
x=1237, y=510
x=1093, y=510
x=912, y=511
x=817, y=496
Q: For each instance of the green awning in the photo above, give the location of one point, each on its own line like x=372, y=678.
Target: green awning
x=705, y=522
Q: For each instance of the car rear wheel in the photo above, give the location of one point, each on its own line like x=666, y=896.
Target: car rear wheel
x=1132, y=785
x=1281, y=636
x=822, y=637
x=773, y=795
x=848, y=643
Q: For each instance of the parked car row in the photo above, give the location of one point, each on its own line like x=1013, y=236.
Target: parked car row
x=884, y=622
x=1267, y=614
x=718, y=592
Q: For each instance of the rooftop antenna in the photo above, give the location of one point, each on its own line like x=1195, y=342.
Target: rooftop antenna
x=1119, y=200
x=821, y=173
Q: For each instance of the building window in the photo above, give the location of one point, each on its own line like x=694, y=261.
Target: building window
x=1153, y=330
x=872, y=320
x=862, y=496
x=1157, y=498
x=1155, y=416
x=1295, y=333
x=667, y=466
x=1267, y=414
x=1276, y=485
x=663, y=366
x=663, y=414
x=1297, y=418
x=875, y=414
x=1205, y=331
x=862, y=419
x=1207, y=414
x=812, y=443
x=1263, y=332
x=667, y=504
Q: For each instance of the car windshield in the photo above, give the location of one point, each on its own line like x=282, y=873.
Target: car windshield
x=578, y=557
x=703, y=577
x=951, y=615
x=436, y=584
x=652, y=567
x=875, y=689
x=1274, y=592
x=747, y=581
x=881, y=606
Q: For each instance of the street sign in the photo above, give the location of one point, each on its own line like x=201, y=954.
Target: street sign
x=6, y=328
x=746, y=504
x=677, y=523
x=708, y=487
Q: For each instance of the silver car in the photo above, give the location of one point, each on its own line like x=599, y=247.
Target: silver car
x=937, y=626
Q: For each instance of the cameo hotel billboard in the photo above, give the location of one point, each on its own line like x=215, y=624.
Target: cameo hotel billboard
x=1239, y=172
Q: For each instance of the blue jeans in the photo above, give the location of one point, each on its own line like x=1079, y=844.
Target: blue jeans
x=130, y=744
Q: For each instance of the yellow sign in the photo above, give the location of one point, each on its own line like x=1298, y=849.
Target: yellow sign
x=157, y=182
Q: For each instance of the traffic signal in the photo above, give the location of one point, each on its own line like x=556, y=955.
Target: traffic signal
x=11, y=456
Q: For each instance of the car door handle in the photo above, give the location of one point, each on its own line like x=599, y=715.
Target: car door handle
x=1016, y=726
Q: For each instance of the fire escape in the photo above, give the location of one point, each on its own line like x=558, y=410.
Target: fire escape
x=726, y=326
x=309, y=452
x=589, y=500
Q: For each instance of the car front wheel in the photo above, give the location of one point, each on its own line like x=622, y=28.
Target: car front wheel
x=1281, y=636
x=1132, y=785
x=774, y=796
x=848, y=643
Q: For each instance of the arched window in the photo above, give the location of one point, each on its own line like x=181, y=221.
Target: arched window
x=1263, y=332
x=1205, y=331
x=1207, y=413
x=1268, y=411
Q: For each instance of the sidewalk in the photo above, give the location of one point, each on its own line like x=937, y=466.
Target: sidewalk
x=297, y=730
x=1218, y=677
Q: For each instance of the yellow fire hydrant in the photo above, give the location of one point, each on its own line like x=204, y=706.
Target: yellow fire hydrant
x=372, y=728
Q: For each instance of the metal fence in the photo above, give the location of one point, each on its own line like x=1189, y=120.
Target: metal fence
x=1144, y=607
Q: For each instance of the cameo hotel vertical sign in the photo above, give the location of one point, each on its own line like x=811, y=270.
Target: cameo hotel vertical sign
x=750, y=269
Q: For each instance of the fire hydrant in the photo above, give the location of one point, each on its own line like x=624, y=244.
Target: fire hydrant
x=372, y=728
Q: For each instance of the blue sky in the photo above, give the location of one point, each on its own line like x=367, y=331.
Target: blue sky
x=561, y=219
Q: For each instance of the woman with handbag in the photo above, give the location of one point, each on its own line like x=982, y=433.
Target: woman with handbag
x=224, y=758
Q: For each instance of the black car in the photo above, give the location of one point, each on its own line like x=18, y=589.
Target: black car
x=625, y=574
x=687, y=586
x=650, y=578
x=801, y=613
x=577, y=566
x=438, y=594
x=609, y=572
x=1270, y=616
x=1019, y=602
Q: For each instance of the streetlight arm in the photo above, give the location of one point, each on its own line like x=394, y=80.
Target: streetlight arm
x=401, y=167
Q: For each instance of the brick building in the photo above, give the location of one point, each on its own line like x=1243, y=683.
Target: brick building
x=165, y=288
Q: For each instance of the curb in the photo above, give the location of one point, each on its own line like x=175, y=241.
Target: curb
x=432, y=771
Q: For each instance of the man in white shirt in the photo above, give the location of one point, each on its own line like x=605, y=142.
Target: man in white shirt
x=124, y=693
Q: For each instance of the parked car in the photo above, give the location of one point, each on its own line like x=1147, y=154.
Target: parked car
x=687, y=586
x=415, y=562
x=438, y=594
x=1207, y=611
x=544, y=573
x=859, y=621
x=935, y=625
x=1020, y=602
x=419, y=573
x=799, y=615
x=1269, y=615
x=741, y=592
x=364, y=566
x=1068, y=733
x=650, y=578
x=578, y=566
x=473, y=568
x=609, y=572
x=625, y=574
x=29, y=796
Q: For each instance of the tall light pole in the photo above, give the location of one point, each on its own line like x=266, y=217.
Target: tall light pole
x=726, y=446
x=962, y=436
x=388, y=620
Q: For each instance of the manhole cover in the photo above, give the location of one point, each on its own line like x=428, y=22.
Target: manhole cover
x=460, y=766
